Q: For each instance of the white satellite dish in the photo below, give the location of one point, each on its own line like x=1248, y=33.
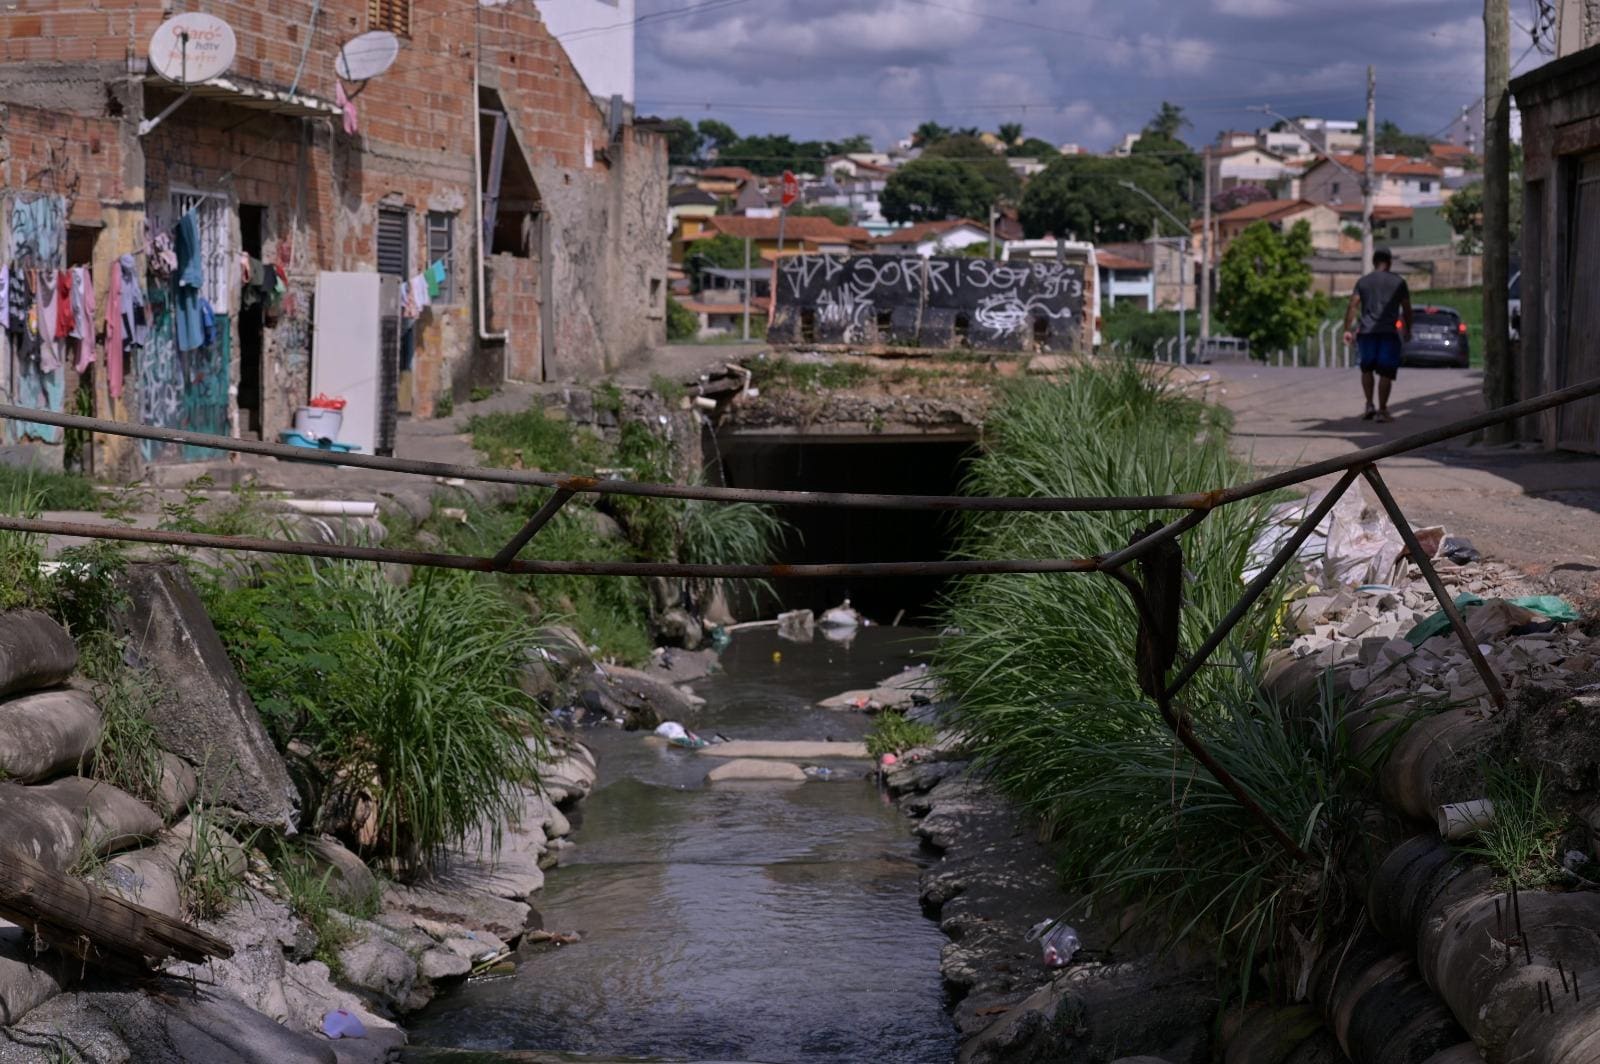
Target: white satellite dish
x=192, y=47
x=365, y=57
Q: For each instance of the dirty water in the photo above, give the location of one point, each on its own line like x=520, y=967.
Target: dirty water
x=748, y=922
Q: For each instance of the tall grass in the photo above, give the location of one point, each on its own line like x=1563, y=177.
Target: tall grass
x=406, y=693
x=1520, y=841
x=50, y=491
x=1050, y=701
x=1046, y=661
x=735, y=533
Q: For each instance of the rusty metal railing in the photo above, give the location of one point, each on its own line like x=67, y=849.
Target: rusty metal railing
x=1157, y=550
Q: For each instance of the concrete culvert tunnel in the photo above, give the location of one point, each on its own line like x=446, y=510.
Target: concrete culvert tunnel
x=918, y=465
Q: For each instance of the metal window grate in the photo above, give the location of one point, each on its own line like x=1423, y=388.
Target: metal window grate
x=394, y=245
x=391, y=15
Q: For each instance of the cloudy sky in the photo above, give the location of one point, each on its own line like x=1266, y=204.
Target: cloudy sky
x=1081, y=71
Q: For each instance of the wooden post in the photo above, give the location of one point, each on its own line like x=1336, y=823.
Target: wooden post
x=1499, y=380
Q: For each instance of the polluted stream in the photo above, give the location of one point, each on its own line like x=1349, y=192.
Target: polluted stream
x=747, y=922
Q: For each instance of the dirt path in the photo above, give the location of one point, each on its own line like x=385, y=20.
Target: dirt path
x=1533, y=508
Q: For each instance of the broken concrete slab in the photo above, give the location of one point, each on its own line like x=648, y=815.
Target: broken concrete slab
x=35, y=652
x=899, y=690
x=464, y=908
x=46, y=733
x=787, y=750
x=207, y=716
x=750, y=770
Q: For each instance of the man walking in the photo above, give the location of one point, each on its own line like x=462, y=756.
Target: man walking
x=1382, y=304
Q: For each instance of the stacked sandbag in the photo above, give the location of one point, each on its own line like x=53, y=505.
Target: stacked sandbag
x=1465, y=933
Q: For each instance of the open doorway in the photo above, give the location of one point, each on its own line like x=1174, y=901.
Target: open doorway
x=252, y=327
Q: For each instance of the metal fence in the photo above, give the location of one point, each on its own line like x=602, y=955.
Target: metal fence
x=1325, y=349
x=1156, y=552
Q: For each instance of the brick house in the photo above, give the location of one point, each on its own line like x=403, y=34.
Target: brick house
x=564, y=228
x=1280, y=215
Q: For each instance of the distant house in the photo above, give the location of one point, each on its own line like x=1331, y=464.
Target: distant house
x=933, y=238
x=689, y=202
x=1279, y=214
x=1124, y=279
x=1453, y=160
x=1250, y=164
x=1401, y=182
x=866, y=165
x=1025, y=166
x=725, y=180
x=804, y=234
x=1171, y=277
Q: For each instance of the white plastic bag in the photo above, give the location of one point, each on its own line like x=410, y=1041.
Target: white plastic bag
x=670, y=730
x=1057, y=942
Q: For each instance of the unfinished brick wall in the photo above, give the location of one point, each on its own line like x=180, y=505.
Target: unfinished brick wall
x=68, y=95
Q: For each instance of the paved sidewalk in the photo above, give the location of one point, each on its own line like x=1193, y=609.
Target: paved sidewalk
x=1534, y=508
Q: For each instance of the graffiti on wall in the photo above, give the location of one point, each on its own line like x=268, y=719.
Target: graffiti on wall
x=937, y=302
x=183, y=389
x=36, y=239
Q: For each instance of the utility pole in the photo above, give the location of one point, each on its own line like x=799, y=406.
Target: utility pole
x=1183, y=255
x=1368, y=187
x=1205, y=253
x=1499, y=379
x=992, y=213
x=747, y=287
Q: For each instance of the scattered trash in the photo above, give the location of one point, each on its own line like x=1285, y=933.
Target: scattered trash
x=1507, y=617
x=1573, y=860
x=1461, y=819
x=560, y=938
x=818, y=772
x=777, y=657
x=677, y=735
x=453, y=513
x=343, y=1024
x=1057, y=942
x=1459, y=549
x=888, y=761
x=797, y=626
x=720, y=637
x=844, y=616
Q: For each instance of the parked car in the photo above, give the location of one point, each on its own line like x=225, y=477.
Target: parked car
x=1438, y=338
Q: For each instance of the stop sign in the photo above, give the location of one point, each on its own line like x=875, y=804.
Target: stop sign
x=791, y=188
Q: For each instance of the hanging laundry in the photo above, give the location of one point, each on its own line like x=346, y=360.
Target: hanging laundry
x=132, y=305
x=114, y=326
x=63, y=304
x=352, y=120
x=189, y=277
x=436, y=278
x=160, y=257
x=83, y=316
x=419, y=293
x=208, y=322
x=48, y=304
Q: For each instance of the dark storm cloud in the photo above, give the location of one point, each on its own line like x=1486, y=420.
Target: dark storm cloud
x=1071, y=70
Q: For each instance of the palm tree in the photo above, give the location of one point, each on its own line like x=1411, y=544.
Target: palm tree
x=1010, y=133
x=929, y=133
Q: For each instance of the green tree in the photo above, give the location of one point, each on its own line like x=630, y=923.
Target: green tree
x=717, y=135
x=933, y=189
x=851, y=145
x=1264, y=288
x=991, y=167
x=1034, y=148
x=774, y=153
x=929, y=133
x=836, y=215
x=1464, y=209
x=1392, y=140
x=682, y=323
x=1081, y=197
x=1168, y=121
x=1010, y=133
x=683, y=141
x=1184, y=174
x=722, y=250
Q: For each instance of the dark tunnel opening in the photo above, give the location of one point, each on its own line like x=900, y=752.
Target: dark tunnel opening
x=921, y=466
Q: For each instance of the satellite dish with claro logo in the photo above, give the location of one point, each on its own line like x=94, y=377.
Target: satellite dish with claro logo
x=192, y=47
x=365, y=57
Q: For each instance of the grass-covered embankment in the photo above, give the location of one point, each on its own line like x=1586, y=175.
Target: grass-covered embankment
x=1049, y=698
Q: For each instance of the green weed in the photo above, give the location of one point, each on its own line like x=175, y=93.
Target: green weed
x=211, y=867
x=128, y=754
x=667, y=388
x=1521, y=837
x=808, y=376
x=48, y=491
x=304, y=888
x=23, y=583
x=530, y=440
x=735, y=533
x=892, y=733
x=479, y=394
x=444, y=406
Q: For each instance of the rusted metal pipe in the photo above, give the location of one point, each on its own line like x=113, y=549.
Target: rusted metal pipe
x=1491, y=682
x=542, y=517
x=1259, y=585
x=978, y=567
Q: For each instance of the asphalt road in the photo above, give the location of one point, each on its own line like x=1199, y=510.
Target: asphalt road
x=1533, y=508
